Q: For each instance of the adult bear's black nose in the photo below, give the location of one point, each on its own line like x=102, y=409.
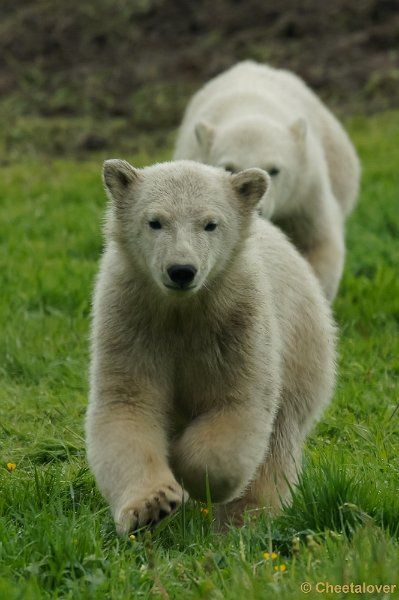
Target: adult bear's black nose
x=182, y=275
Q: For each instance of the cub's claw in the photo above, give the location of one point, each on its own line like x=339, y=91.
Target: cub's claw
x=150, y=508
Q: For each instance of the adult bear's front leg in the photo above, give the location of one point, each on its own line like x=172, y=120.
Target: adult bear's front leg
x=327, y=260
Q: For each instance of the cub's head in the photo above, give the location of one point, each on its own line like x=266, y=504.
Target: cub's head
x=180, y=222
x=261, y=143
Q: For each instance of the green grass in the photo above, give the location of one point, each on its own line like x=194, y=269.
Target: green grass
x=56, y=536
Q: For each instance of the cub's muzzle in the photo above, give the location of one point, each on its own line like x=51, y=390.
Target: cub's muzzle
x=181, y=276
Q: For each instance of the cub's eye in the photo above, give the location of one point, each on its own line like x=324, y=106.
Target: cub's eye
x=230, y=168
x=273, y=171
x=210, y=226
x=155, y=224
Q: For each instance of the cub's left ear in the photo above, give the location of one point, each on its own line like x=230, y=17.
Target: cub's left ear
x=118, y=177
x=250, y=186
x=299, y=129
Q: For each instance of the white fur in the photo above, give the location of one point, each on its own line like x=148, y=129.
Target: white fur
x=222, y=380
x=255, y=116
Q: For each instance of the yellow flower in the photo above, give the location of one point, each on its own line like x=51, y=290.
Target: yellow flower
x=267, y=555
x=11, y=466
x=281, y=567
x=204, y=511
x=132, y=537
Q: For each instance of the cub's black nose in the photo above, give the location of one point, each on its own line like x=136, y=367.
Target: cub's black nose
x=182, y=275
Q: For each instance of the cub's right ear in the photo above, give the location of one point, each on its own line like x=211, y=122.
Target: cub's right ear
x=250, y=186
x=118, y=177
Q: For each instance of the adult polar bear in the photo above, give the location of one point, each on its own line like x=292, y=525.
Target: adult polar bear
x=212, y=345
x=255, y=116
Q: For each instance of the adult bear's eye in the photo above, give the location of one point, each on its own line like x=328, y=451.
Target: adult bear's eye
x=210, y=226
x=231, y=168
x=155, y=224
x=273, y=171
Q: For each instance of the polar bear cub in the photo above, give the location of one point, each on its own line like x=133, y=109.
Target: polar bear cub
x=212, y=345
x=255, y=116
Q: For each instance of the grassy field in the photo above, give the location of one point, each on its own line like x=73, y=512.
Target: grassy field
x=56, y=536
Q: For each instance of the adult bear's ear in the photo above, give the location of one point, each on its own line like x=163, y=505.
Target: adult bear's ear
x=250, y=186
x=119, y=177
x=204, y=134
x=299, y=129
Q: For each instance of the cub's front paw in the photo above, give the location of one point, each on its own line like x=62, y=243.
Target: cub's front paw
x=150, y=508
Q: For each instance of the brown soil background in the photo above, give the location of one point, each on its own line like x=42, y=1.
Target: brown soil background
x=141, y=59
